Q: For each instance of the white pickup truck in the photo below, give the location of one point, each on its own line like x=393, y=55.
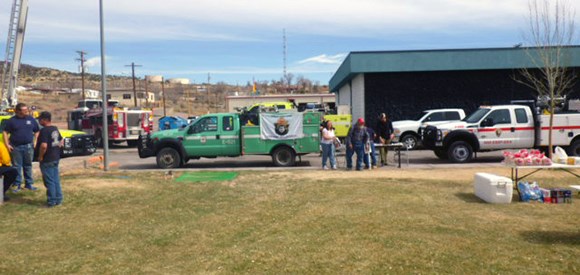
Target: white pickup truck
x=407, y=131
x=501, y=127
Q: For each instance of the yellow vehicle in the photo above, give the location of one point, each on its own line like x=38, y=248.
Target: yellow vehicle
x=76, y=143
x=271, y=105
x=341, y=123
x=251, y=114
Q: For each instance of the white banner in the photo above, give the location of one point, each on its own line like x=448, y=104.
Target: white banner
x=278, y=126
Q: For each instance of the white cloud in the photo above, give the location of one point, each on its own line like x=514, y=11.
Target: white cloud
x=94, y=61
x=255, y=19
x=324, y=59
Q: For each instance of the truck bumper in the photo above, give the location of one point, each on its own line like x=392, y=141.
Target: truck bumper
x=145, y=147
x=429, y=138
x=78, y=145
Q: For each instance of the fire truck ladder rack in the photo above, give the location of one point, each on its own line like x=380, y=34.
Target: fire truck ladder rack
x=14, y=45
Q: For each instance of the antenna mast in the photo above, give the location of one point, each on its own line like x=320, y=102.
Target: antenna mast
x=284, y=55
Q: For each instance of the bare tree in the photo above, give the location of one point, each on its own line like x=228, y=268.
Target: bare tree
x=288, y=79
x=551, y=29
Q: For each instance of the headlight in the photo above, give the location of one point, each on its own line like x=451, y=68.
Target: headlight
x=67, y=143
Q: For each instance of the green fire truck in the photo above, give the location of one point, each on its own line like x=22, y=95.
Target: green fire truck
x=282, y=135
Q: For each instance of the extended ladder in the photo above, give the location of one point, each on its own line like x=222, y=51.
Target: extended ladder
x=14, y=45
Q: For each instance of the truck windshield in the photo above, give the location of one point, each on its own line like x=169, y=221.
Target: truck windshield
x=476, y=116
x=419, y=116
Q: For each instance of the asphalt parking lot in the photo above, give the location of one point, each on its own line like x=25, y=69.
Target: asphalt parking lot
x=128, y=159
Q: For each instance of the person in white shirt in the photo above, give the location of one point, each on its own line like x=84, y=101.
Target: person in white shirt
x=328, y=148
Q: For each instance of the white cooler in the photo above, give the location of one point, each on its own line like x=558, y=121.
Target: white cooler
x=493, y=188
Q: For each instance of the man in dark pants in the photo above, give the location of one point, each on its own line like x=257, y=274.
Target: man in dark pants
x=358, y=138
x=48, y=147
x=8, y=175
x=385, y=133
x=372, y=137
x=349, y=149
x=19, y=134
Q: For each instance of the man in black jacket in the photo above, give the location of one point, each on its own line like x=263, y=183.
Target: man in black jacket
x=385, y=132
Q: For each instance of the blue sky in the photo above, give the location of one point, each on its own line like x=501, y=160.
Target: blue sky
x=240, y=40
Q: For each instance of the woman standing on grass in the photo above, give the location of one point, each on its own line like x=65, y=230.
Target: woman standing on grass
x=327, y=143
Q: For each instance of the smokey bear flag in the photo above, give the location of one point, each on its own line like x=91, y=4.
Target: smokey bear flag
x=279, y=126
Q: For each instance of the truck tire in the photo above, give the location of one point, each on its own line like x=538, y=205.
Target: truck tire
x=441, y=154
x=460, y=152
x=410, y=141
x=168, y=158
x=284, y=157
x=574, y=149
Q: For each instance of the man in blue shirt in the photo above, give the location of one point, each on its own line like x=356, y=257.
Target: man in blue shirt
x=48, y=147
x=20, y=132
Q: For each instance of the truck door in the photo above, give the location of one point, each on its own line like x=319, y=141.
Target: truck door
x=230, y=137
x=496, y=131
x=525, y=131
x=203, y=138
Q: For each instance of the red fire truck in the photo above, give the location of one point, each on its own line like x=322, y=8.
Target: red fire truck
x=125, y=124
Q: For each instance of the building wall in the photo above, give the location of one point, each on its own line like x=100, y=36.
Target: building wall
x=403, y=95
x=343, y=95
x=358, y=96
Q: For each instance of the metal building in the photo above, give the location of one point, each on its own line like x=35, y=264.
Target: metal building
x=403, y=83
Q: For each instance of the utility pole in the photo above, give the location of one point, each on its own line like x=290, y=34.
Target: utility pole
x=207, y=90
x=284, y=53
x=133, y=76
x=146, y=94
x=163, y=93
x=82, y=60
x=105, y=137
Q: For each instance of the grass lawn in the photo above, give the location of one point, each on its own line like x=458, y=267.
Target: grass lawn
x=273, y=222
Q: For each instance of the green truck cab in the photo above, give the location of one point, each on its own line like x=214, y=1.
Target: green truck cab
x=280, y=135
x=76, y=143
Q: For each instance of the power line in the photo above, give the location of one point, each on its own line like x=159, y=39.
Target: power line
x=133, y=65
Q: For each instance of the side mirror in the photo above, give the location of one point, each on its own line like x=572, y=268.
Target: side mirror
x=488, y=122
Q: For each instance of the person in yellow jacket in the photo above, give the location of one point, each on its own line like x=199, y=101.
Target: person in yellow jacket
x=7, y=172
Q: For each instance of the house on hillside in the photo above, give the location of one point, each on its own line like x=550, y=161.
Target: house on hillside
x=126, y=98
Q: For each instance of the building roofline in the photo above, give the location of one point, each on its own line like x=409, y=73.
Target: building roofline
x=360, y=62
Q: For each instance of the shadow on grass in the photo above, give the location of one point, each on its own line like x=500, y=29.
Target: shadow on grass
x=469, y=198
x=24, y=200
x=551, y=237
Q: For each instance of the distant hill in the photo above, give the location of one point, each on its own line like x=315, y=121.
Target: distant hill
x=31, y=74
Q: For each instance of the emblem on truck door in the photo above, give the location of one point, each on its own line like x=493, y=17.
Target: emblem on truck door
x=498, y=132
x=282, y=126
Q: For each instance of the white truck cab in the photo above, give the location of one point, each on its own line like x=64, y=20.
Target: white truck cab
x=407, y=131
x=500, y=127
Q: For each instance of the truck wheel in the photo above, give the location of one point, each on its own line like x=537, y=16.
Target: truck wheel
x=460, y=152
x=168, y=158
x=132, y=143
x=284, y=157
x=574, y=149
x=441, y=154
x=410, y=141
